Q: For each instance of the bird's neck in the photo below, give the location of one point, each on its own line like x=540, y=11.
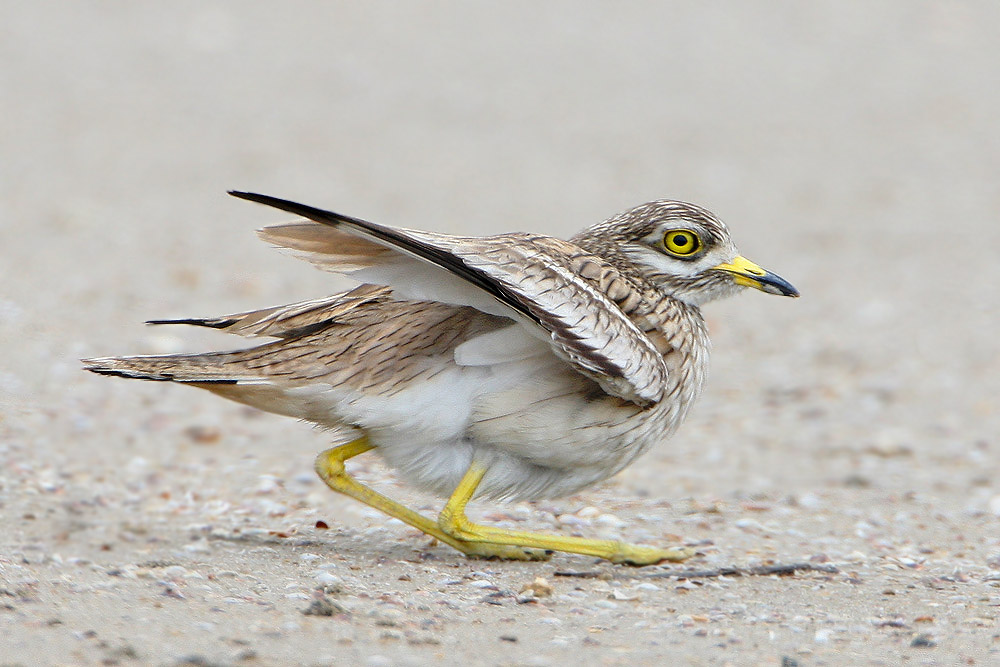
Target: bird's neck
x=672, y=324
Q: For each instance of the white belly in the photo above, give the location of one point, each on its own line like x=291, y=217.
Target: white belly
x=541, y=429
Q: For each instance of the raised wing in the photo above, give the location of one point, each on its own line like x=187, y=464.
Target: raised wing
x=365, y=260
x=526, y=277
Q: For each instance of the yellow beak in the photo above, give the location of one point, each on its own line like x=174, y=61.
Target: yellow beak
x=748, y=274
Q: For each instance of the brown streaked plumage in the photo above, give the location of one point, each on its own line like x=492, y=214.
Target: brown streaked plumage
x=507, y=366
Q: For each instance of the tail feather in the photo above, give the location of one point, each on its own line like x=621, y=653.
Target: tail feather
x=184, y=368
x=293, y=320
x=222, y=374
x=223, y=322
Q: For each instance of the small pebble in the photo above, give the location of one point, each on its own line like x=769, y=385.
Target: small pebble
x=203, y=435
x=330, y=583
x=323, y=606
x=749, y=525
x=621, y=595
x=539, y=588
x=572, y=520
x=609, y=521
x=810, y=501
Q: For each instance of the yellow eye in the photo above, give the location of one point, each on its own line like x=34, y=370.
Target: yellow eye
x=681, y=242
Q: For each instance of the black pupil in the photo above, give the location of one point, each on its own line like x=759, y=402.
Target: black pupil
x=680, y=240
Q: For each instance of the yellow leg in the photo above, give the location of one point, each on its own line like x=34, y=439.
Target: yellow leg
x=453, y=521
x=330, y=468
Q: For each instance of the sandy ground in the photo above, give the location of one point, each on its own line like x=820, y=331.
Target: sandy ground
x=852, y=147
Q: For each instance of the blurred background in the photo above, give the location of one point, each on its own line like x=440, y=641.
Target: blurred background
x=852, y=147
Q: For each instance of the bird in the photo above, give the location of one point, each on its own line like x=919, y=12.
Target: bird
x=516, y=366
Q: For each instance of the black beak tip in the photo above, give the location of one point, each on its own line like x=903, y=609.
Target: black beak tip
x=775, y=284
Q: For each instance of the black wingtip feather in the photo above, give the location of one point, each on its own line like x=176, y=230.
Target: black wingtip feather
x=165, y=377
x=211, y=324
x=398, y=239
x=306, y=211
x=126, y=374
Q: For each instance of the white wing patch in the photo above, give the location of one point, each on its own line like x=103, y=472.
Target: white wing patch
x=341, y=252
x=502, y=346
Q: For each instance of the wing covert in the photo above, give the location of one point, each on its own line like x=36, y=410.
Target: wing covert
x=532, y=280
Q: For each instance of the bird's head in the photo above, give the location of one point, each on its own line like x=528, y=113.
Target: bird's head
x=683, y=249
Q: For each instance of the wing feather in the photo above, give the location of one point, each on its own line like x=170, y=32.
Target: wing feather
x=528, y=276
x=293, y=320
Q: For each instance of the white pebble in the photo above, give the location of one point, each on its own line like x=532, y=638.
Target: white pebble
x=609, y=520
x=751, y=525
x=327, y=579
x=810, y=501
x=619, y=594
x=197, y=548
x=571, y=520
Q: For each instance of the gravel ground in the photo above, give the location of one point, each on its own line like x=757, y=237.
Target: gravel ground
x=852, y=147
